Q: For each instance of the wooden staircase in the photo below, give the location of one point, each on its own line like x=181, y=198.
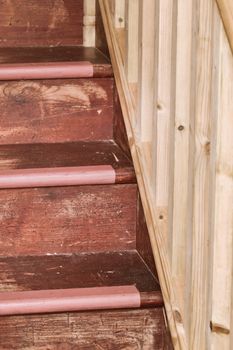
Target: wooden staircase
x=76, y=266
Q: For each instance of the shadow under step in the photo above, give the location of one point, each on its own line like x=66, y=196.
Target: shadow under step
x=53, y=63
x=68, y=164
x=77, y=282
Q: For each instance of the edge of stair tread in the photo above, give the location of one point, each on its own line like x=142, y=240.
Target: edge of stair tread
x=104, y=160
x=131, y=275
x=40, y=59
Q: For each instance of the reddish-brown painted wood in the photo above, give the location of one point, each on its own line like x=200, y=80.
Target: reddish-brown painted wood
x=65, y=300
x=67, y=219
x=48, y=70
x=79, y=154
x=119, y=130
x=83, y=270
x=60, y=176
x=44, y=110
x=41, y=23
x=108, y=330
x=143, y=239
x=23, y=55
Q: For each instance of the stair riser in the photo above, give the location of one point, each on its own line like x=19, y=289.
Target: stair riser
x=41, y=23
x=67, y=219
x=113, y=330
x=56, y=110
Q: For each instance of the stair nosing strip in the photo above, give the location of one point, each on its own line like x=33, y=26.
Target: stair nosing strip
x=46, y=70
x=59, y=176
x=64, y=300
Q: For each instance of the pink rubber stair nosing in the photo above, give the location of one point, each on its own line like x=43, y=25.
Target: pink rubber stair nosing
x=61, y=176
x=64, y=300
x=47, y=70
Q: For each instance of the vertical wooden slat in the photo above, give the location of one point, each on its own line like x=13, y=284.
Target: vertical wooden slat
x=119, y=13
x=89, y=23
x=132, y=17
x=146, y=93
x=223, y=201
x=181, y=250
x=201, y=205
x=164, y=113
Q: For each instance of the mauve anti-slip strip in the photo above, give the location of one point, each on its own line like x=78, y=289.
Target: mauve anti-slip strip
x=47, y=70
x=64, y=300
x=60, y=176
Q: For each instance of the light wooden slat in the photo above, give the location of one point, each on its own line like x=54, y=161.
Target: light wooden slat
x=226, y=11
x=181, y=241
x=131, y=65
x=162, y=144
x=119, y=13
x=223, y=201
x=147, y=69
x=201, y=204
x=89, y=23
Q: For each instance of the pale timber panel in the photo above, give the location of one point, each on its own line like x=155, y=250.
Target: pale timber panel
x=221, y=321
x=146, y=74
x=132, y=19
x=89, y=23
x=162, y=139
x=201, y=204
x=181, y=233
x=226, y=11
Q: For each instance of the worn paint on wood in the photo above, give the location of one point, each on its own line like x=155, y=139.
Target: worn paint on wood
x=41, y=23
x=67, y=219
x=114, y=330
x=84, y=270
x=43, y=111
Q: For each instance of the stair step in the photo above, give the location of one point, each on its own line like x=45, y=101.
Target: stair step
x=52, y=63
x=87, y=281
x=81, y=163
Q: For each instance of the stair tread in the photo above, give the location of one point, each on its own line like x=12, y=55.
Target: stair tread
x=75, y=154
x=85, y=270
x=26, y=55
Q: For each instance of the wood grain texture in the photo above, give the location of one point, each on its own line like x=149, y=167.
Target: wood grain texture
x=67, y=220
x=222, y=197
x=43, y=111
x=41, y=23
x=201, y=232
x=132, y=329
x=226, y=12
x=84, y=270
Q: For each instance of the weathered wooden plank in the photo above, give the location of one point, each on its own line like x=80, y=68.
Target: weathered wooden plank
x=83, y=270
x=134, y=330
x=31, y=109
x=67, y=220
x=41, y=23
